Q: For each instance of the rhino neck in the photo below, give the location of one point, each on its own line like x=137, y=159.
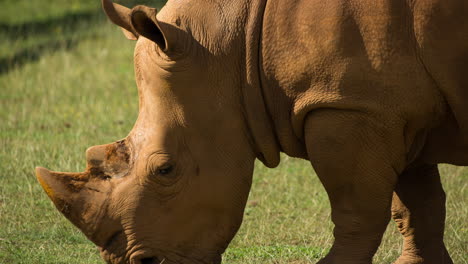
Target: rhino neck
x=289, y=71
x=257, y=117
x=228, y=31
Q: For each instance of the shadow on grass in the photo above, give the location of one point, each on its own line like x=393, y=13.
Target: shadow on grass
x=70, y=21
x=77, y=23
x=33, y=54
x=58, y=33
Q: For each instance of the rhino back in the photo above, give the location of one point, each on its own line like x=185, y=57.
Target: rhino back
x=350, y=55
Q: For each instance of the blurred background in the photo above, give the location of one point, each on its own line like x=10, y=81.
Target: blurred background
x=66, y=83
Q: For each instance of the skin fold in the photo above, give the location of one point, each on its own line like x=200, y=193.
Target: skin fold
x=370, y=92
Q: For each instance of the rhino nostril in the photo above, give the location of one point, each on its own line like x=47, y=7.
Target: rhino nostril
x=152, y=260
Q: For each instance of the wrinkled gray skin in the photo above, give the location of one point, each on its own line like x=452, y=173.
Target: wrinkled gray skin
x=370, y=92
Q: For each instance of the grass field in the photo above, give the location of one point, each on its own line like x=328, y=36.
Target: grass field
x=66, y=83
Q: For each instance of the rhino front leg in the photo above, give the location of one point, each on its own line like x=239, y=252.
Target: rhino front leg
x=356, y=162
x=418, y=208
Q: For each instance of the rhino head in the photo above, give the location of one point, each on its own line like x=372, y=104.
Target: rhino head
x=174, y=190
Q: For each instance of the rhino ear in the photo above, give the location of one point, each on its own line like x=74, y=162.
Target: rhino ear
x=129, y=35
x=120, y=15
x=144, y=22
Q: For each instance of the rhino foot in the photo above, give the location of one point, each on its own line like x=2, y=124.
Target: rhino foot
x=406, y=259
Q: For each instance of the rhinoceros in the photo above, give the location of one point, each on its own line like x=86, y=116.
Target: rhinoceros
x=372, y=93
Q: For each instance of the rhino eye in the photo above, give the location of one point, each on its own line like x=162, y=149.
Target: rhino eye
x=164, y=170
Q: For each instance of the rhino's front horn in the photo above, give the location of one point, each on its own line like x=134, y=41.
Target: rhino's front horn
x=80, y=197
x=62, y=188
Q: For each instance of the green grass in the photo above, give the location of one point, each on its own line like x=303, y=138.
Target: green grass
x=66, y=83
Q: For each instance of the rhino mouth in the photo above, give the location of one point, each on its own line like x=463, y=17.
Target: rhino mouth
x=151, y=260
x=114, y=251
x=113, y=239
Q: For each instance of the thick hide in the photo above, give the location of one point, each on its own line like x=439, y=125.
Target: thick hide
x=370, y=92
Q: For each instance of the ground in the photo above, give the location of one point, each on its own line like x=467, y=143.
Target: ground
x=66, y=83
